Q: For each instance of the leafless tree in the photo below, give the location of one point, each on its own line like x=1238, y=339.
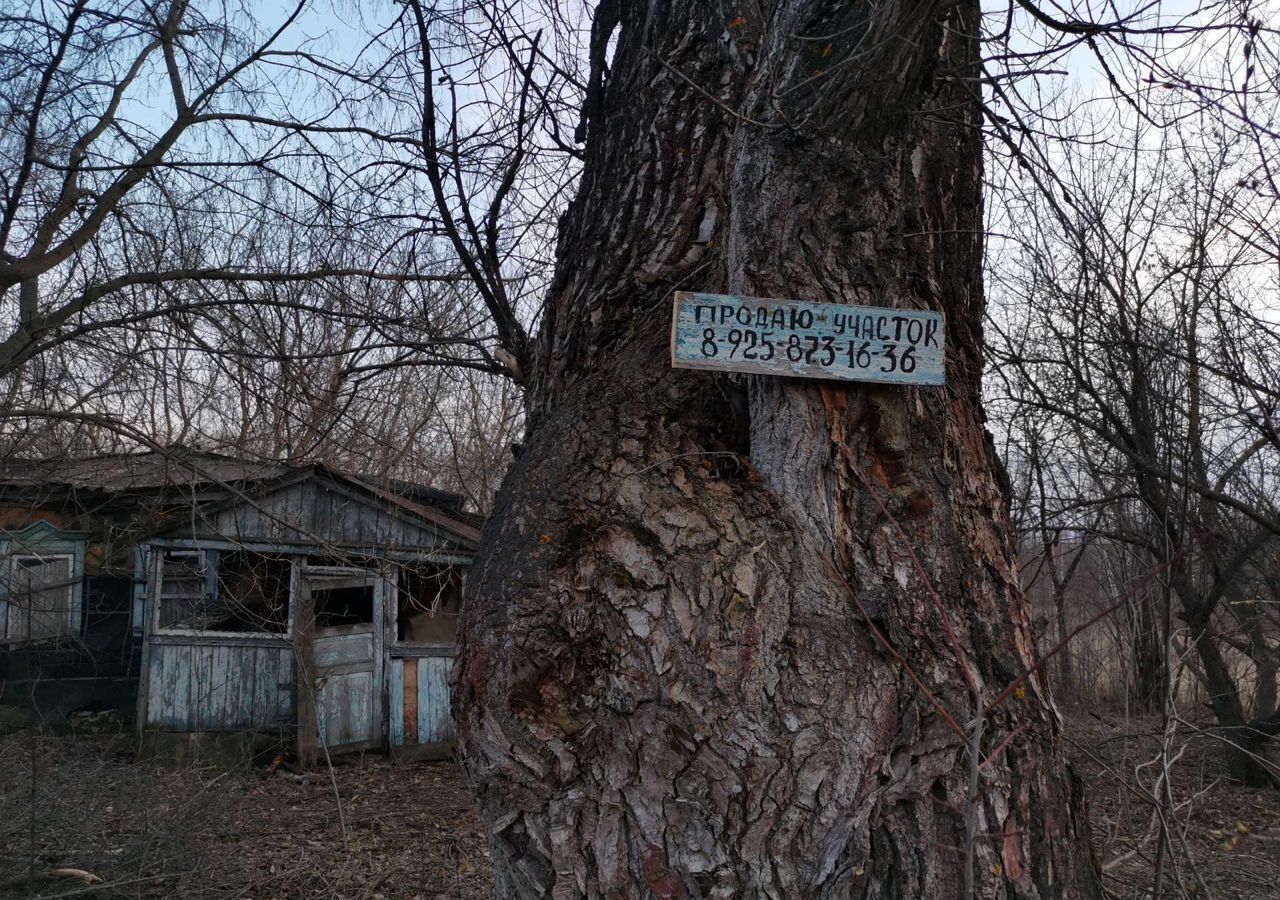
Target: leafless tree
x=757, y=613
x=1122, y=327
x=263, y=258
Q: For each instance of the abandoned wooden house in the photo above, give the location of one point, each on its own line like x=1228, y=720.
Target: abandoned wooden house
x=233, y=599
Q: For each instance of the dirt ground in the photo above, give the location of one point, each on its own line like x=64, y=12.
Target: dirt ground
x=408, y=830
x=404, y=830
x=1224, y=839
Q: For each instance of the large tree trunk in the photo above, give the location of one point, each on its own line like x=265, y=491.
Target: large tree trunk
x=1246, y=747
x=665, y=688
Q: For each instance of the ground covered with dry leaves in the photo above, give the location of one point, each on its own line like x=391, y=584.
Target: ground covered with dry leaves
x=402, y=830
x=1223, y=840
x=408, y=830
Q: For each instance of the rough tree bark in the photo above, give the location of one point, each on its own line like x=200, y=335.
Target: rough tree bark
x=665, y=689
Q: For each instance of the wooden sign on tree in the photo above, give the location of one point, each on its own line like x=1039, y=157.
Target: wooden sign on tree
x=809, y=340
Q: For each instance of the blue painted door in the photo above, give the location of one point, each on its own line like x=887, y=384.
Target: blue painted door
x=346, y=657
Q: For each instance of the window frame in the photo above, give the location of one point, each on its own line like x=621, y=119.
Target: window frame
x=155, y=591
x=69, y=619
x=406, y=646
x=44, y=540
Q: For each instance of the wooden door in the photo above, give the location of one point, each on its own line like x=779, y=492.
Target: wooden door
x=346, y=657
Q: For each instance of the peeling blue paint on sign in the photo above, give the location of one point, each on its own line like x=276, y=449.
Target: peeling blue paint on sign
x=807, y=340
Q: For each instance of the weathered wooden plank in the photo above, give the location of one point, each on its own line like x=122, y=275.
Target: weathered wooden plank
x=382, y=592
x=264, y=674
x=435, y=726
x=177, y=689
x=164, y=698
x=246, y=678
x=307, y=711
x=222, y=688
x=409, y=703
x=809, y=340
x=201, y=699
x=173, y=700
x=308, y=514
x=217, y=688
x=238, y=710
x=398, y=706
x=324, y=714
x=340, y=710
x=286, y=698
x=324, y=711
x=338, y=707
x=153, y=675
x=359, y=716
x=346, y=648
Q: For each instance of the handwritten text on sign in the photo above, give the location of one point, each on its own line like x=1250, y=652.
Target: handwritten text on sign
x=810, y=340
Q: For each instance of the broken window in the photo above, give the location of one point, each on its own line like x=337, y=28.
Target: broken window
x=183, y=587
x=40, y=595
x=253, y=591
x=343, y=604
x=235, y=591
x=428, y=603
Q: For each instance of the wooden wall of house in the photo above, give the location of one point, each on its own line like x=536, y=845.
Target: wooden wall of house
x=224, y=686
x=310, y=512
x=419, y=701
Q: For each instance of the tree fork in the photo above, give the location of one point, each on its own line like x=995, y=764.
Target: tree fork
x=663, y=689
